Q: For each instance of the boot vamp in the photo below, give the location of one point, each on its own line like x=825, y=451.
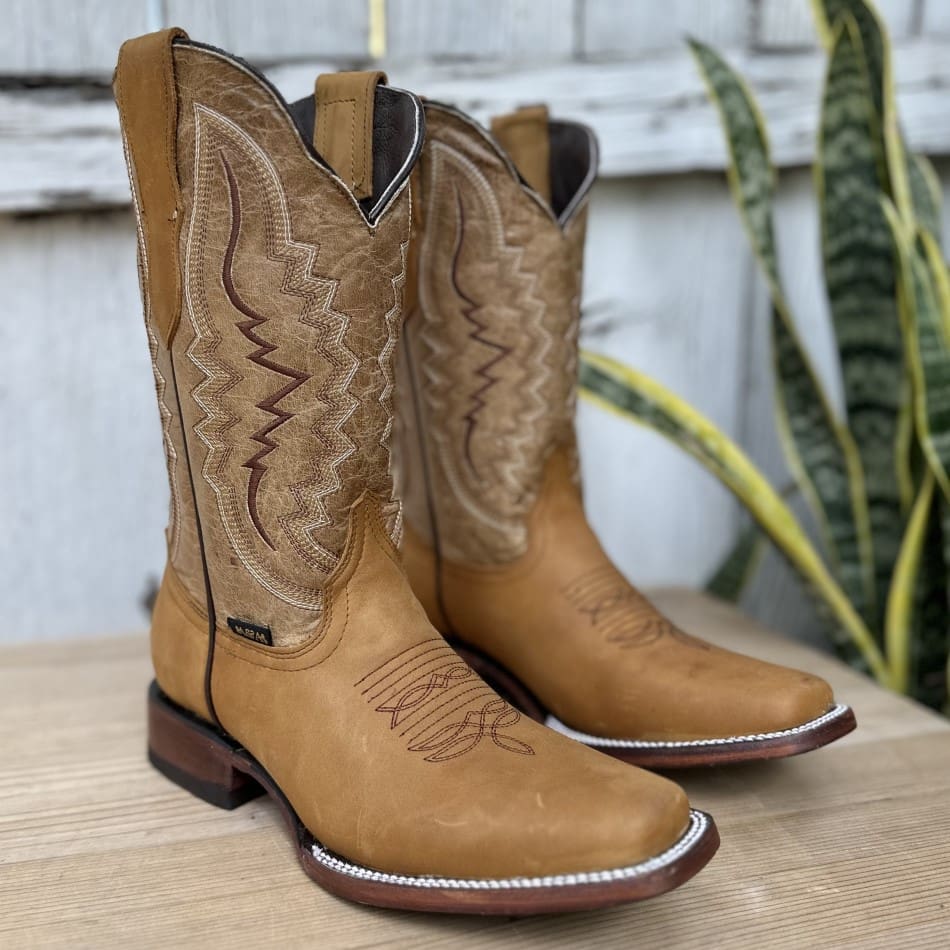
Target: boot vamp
x=395, y=755
x=600, y=656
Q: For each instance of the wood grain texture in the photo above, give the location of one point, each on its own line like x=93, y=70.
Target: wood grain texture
x=278, y=30
x=621, y=28
x=664, y=290
x=490, y=29
x=85, y=499
x=840, y=848
x=82, y=37
x=935, y=18
x=782, y=25
x=652, y=115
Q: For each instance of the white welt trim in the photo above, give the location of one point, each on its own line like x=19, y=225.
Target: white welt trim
x=698, y=823
x=836, y=712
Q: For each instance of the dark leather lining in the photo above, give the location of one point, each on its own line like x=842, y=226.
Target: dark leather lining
x=573, y=153
x=573, y=159
x=394, y=135
x=398, y=130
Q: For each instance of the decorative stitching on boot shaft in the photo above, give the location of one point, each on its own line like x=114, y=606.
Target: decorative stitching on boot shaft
x=469, y=309
x=260, y=356
x=496, y=337
x=302, y=530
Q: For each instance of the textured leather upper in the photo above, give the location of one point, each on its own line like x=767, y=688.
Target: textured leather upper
x=284, y=354
x=497, y=546
x=495, y=328
x=389, y=748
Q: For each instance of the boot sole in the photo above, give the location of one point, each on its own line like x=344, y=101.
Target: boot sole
x=836, y=722
x=215, y=768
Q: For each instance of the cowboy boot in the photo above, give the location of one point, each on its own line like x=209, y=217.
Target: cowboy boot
x=496, y=544
x=291, y=656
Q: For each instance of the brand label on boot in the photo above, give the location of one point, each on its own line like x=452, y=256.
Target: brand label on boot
x=251, y=631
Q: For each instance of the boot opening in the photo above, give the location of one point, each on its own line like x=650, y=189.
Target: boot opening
x=573, y=165
x=398, y=130
x=397, y=138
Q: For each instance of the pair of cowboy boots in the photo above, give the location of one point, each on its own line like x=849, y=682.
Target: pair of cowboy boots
x=297, y=652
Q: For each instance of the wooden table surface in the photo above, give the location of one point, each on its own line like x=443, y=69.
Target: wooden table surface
x=846, y=847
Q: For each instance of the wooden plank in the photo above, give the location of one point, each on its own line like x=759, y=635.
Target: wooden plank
x=784, y=25
x=664, y=291
x=85, y=502
x=837, y=848
x=48, y=38
x=492, y=29
x=60, y=148
x=277, y=30
x=620, y=28
x=935, y=19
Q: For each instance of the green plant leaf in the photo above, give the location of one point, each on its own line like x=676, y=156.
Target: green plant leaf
x=820, y=451
x=828, y=15
x=635, y=396
x=861, y=280
x=737, y=567
x=926, y=194
x=905, y=179
x=927, y=341
x=920, y=665
x=930, y=640
x=898, y=625
x=918, y=611
x=889, y=144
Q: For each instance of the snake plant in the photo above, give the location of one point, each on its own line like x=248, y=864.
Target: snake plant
x=876, y=474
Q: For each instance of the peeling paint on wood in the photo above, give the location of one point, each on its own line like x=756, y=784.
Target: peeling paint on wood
x=652, y=116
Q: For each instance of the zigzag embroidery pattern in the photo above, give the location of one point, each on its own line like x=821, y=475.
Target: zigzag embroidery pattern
x=299, y=588
x=260, y=357
x=477, y=333
x=445, y=349
x=393, y=320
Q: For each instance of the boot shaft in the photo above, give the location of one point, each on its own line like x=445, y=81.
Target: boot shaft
x=273, y=305
x=490, y=356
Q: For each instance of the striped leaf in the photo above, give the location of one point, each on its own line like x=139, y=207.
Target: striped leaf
x=898, y=624
x=896, y=169
x=861, y=280
x=920, y=664
x=930, y=639
x=918, y=611
x=908, y=180
x=926, y=194
x=828, y=17
x=820, y=452
x=635, y=396
x=927, y=341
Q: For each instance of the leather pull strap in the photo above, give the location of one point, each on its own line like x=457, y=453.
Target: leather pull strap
x=524, y=136
x=343, y=131
x=145, y=92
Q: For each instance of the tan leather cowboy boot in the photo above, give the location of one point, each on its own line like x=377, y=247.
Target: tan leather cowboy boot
x=496, y=545
x=290, y=654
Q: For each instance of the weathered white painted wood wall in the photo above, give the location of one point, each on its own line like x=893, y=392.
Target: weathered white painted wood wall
x=670, y=286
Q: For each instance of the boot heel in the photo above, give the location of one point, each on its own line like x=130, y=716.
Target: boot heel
x=194, y=755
